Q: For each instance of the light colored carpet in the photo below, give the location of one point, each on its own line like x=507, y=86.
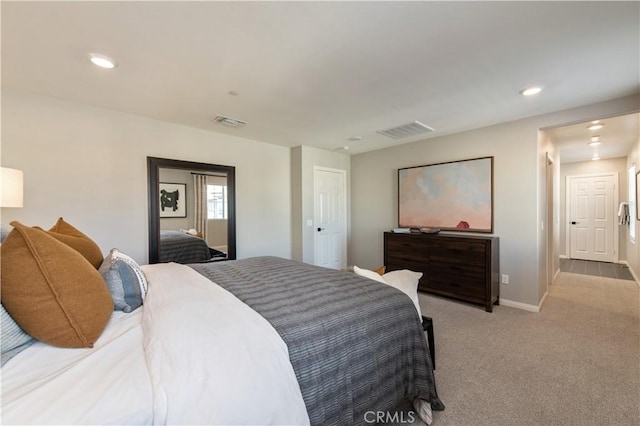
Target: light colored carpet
x=577, y=362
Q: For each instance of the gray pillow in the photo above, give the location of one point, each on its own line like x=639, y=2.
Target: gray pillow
x=13, y=339
x=125, y=280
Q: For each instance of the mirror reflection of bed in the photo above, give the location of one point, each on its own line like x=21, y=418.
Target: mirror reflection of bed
x=193, y=212
x=183, y=247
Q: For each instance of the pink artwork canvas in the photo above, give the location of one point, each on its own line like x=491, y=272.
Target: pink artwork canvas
x=450, y=196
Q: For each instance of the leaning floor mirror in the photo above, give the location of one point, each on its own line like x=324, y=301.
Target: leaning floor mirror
x=191, y=211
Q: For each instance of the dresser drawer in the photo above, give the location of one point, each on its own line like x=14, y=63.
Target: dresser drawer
x=406, y=243
x=458, y=279
x=462, y=267
x=464, y=251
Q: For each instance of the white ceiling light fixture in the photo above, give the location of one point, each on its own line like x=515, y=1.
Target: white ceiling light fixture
x=594, y=143
x=102, y=61
x=596, y=125
x=595, y=158
x=530, y=90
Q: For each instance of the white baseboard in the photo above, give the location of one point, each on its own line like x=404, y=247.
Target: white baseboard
x=564, y=256
x=520, y=305
x=633, y=274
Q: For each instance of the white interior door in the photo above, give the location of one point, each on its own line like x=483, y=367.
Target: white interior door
x=330, y=225
x=592, y=219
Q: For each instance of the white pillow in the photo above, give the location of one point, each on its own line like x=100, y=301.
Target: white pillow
x=406, y=281
x=368, y=274
x=403, y=280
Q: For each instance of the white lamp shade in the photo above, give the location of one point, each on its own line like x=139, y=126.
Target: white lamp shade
x=11, y=187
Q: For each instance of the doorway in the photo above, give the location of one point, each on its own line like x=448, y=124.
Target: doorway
x=551, y=222
x=591, y=203
x=330, y=217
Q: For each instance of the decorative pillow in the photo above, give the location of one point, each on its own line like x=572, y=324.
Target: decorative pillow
x=13, y=339
x=406, y=281
x=4, y=232
x=380, y=270
x=77, y=240
x=403, y=280
x=368, y=274
x=51, y=290
x=125, y=279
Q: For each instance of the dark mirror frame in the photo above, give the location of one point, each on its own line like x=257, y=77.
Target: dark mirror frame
x=153, y=166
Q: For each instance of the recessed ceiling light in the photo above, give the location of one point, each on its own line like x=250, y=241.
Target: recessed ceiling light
x=596, y=126
x=595, y=138
x=530, y=90
x=102, y=61
x=355, y=138
x=595, y=158
x=594, y=143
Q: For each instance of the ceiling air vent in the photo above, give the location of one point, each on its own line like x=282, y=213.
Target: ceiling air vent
x=406, y=130
x=228, y=121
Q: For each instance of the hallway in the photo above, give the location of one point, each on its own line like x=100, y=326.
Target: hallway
x=599, y=269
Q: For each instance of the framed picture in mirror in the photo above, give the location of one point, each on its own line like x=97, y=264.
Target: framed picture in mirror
x=173, y=200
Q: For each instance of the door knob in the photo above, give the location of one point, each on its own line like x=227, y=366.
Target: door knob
x=573, y=222
x=320, y=229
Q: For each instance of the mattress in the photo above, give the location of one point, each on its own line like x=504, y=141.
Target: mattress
x=254, y=341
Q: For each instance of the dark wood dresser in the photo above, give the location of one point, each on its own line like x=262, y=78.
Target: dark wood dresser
x=457, y=266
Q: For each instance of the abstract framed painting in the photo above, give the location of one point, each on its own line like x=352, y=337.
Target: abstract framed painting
x=451, y=196
x=173, y=199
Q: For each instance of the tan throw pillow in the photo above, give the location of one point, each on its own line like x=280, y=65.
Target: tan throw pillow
x=380, y=270
x=51, y=290
x=77, y=240
x=368, y=274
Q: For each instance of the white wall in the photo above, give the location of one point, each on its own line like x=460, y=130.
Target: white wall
x=518, y=170
x=88, y=165
x=633, y=251
x=374, y=203
x=548, y=245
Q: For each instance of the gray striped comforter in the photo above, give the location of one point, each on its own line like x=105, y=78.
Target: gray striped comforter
x=176, y=246
x=355, y=345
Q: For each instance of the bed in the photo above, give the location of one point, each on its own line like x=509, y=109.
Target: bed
x=180, y=247
x=255, y=341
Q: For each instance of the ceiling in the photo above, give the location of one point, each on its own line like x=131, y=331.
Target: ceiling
x=320, y=73
x=616, y=139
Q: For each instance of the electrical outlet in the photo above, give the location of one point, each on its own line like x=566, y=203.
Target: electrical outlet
x=505, y=279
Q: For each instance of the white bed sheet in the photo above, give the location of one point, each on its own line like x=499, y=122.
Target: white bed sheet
x=106, y=384
x=212, y=359
x=193, y=354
